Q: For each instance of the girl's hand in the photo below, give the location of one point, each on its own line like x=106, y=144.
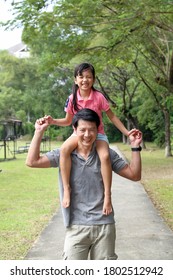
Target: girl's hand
x=135, y=137
x=132, y=131
x=49, y=119
x=41, y=124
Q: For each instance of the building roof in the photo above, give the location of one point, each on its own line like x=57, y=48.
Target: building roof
x=20, y=50
x=10, y=121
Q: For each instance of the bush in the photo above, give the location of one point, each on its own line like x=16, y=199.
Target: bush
x=28, y=128
x=60, y=133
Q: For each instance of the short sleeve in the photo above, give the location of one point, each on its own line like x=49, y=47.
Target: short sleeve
x=68, y=105
x=117, y=162
x=53, y=157
x=104, y=103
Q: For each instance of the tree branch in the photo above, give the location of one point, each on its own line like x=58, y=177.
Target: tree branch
x=104, y=93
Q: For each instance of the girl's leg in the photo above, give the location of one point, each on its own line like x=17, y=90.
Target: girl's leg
x=106, y=171
x=65, y=166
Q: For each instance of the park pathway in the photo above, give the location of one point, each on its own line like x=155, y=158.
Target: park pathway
x=141, y=232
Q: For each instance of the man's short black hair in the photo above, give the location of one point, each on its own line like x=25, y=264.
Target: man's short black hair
x=86, y=115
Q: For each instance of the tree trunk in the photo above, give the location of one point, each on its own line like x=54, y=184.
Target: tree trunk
x=28, y=117
x=124, y=139
x=167, y=134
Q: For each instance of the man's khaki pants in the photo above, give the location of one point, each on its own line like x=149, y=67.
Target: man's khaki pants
x=90, y=242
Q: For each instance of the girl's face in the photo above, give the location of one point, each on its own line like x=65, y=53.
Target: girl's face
x=85, y=80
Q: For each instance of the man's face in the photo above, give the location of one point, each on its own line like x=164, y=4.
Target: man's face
x=86, y=132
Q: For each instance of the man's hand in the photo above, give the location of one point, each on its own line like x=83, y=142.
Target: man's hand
x=135, y=137
x=41, y=124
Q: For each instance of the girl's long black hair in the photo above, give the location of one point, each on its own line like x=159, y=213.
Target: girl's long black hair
x=78, y=71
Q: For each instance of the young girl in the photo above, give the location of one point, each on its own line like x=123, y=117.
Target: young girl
x=84, y=95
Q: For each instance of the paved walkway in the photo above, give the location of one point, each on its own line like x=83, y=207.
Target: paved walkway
x=141, y=232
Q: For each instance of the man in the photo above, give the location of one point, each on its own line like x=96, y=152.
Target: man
x=88, y=231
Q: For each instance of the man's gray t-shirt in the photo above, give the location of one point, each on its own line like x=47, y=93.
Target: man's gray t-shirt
x=87, y=189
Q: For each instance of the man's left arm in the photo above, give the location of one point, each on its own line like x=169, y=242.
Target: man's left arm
x=133, y=170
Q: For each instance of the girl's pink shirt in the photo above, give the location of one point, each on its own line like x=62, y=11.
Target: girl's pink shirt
x=96, y=102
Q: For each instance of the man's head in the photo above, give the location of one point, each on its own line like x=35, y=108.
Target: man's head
x=86, y=115
x=86, y=123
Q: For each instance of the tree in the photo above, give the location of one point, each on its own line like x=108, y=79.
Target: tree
x=24, y=87
x=107, y=32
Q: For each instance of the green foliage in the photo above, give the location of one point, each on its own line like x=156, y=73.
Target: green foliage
x=60, y=134
x=1, y=132
x=27, y=93
x=113, y=134
x=27, y=128
x=129, y=43
x=21, y=115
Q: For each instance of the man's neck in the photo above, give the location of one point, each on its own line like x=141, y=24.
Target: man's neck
x=84, y=151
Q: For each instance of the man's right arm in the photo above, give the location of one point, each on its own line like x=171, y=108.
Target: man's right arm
x=34, y=159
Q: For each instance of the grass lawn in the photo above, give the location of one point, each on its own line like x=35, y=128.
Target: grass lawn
x=157, y=178
x=29, y=197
